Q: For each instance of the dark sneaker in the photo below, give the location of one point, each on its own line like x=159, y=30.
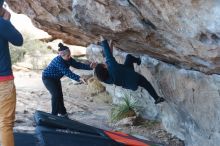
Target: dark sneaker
x=103, y=54
x=139, y=61
x=99, y=43
x=64, y=116
x=159, y=100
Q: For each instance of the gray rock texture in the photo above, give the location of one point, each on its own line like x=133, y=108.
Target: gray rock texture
x=191, y=111
x=179, y=43
x=184, y=33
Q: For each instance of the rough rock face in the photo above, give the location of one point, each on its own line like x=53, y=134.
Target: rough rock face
x=185, y=34
x=55, y=17
x=193, y=101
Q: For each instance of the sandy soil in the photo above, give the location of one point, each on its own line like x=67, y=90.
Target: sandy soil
x=81, y=106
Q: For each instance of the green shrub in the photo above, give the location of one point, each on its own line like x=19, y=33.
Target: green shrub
x=128, y=108
x=30, y=47
x=17, y=54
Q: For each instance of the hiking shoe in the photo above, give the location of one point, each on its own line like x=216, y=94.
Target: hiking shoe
x=99, y=43
x=159, y=100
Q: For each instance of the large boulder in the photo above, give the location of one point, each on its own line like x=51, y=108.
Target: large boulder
x=183, y=33
x=179, y=43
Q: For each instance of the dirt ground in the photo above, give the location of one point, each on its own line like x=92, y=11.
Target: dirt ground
x=80, y=105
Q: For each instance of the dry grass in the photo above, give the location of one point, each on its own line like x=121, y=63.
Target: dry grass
x=94, y=86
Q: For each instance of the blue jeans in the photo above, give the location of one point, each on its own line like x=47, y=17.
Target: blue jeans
x=55, y=89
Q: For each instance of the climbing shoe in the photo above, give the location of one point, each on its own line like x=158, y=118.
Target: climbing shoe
x=159, y=100
x=139, y=61
x=64, y=116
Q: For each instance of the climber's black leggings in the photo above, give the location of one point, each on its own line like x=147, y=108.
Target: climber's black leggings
x=142, y=81
x=55, y=89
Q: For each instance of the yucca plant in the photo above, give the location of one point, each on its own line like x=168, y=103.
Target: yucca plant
x=128, y=108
